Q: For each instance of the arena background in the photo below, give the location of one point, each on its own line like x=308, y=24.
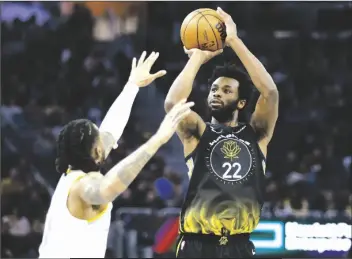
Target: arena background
x=61, y=61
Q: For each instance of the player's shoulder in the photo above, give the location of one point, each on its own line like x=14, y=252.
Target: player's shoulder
x=82, y=179
x=88, y=177
x=80, y=185
x=95, y=174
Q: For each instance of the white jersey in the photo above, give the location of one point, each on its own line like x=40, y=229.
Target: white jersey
x=68, y=237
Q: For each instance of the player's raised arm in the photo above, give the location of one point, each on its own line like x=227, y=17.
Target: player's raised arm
x=192, y=125
x=117, y=117
x=96, y=191
x=266, y=111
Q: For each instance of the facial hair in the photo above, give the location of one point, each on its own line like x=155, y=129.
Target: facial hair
x=89, y=165
x=97, y=165
x=225, y=114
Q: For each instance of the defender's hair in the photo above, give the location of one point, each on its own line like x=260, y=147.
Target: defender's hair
x=74, y=146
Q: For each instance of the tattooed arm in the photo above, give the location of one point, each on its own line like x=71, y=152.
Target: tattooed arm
x=102, y=190
x=96, y=191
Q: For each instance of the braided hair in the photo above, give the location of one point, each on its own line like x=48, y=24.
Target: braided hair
x=245, y=88
x=74, y=146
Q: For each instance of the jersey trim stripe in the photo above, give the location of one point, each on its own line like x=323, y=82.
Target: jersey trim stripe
x=99, y=215
x=178, y=246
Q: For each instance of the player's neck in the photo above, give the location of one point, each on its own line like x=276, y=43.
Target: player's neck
x=230, y=123
x=232, y=120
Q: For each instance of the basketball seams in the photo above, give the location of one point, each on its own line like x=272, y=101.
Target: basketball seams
x=191, y=26
x=199, y=47
x=222, y=43
x=211, y=27
x=184, y=32
x=216, y=18
x=217, y=42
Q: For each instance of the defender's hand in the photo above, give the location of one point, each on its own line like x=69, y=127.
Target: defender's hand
x=231, y=28
x=204, y=55
x=169, y=125
x=140, y=72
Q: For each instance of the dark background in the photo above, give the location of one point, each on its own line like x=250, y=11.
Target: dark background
x=61, y=61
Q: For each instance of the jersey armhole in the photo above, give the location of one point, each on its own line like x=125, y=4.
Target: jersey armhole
x=257, y=139
x=99, y=214
x=196, y=148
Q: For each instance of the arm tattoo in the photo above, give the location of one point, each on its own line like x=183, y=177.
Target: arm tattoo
x=123, y=174
x=106, y=189
x=131, y=170
x=91, y=192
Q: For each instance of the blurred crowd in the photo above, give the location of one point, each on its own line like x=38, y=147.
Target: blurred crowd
x=24, y=201
x=56, y=71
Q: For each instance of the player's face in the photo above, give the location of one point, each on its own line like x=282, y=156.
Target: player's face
x=223, y=98
x=223, y=92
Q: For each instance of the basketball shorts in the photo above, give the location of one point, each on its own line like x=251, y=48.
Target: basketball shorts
x=211, y=246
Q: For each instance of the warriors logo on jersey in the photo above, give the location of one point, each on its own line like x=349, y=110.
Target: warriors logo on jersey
x=230, y=159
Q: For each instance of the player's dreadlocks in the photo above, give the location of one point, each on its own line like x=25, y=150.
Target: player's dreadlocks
x=74, y=146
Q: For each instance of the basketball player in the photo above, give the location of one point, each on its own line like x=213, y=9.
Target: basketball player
x=226, y=158
x=78, y=219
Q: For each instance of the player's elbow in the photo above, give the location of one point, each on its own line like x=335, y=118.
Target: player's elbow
x=168, y=105
x=110, y=190
x=273, y=93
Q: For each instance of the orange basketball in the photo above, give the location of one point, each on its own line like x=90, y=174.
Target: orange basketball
x=203, y=29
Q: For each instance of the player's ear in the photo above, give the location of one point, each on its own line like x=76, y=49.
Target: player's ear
x=241, y=104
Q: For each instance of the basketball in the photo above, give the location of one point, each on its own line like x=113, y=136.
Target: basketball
x=203, y=29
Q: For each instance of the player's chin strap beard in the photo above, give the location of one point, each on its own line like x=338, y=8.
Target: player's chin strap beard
x=226, y=113
x=89, y=165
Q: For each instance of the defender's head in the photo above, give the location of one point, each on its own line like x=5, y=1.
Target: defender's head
x=230, y=91
x=79, y=147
